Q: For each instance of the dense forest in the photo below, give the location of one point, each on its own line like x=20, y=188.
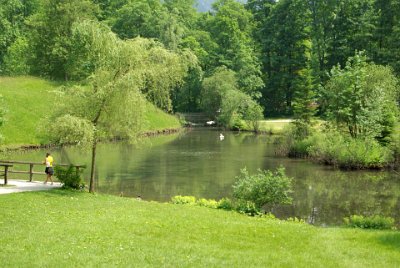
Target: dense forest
x=262, y=55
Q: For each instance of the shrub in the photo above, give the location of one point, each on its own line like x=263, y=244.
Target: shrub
x=207, y=203
x=178, y=199
x=247, y=207
x=265, y=187
x=225, y=203
x=350, y=153
x=373, y=222
x=300, y=148
x=285, y=142
x=295, y=141
x=69, y=177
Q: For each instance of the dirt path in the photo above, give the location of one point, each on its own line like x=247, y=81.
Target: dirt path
x=16, y=186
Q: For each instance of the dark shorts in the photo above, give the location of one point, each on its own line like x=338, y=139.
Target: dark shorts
x=49, y=170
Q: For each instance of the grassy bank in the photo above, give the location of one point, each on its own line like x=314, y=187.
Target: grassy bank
x=29, y=99
x=61, y=228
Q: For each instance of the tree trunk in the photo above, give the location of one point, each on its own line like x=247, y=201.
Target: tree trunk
x=91, y=185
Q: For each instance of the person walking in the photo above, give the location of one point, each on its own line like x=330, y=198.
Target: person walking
x=49, y=168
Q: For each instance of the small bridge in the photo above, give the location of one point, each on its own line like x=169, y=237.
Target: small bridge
x=8, y=168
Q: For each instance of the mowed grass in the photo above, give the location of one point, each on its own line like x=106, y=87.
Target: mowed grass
x=274, y=126
x=70, y=229
x=29, y=99
x=159, y=120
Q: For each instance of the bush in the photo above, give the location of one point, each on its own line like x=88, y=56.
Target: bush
x=265, y=187
x=373, y=222
x=350, y=153
x=300, y=148
x=225, y=203
x=178, y=199
x=207, y=203
x=69, y=177
x=295, y=141
x=247, y=207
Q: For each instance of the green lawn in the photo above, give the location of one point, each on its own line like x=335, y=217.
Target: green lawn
x=28, y=99
x=62, y=228
x=274, y=126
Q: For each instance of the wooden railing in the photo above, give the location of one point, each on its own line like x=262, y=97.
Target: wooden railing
x=7, y=164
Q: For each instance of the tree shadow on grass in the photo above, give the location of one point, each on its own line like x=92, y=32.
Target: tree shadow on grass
x=391, y=240
x=62, y=192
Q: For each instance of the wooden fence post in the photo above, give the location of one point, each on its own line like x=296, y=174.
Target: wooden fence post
x=30, y=172
x=5, y=174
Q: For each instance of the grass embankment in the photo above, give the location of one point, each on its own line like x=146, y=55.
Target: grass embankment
x=29, y=99
x=62, y=228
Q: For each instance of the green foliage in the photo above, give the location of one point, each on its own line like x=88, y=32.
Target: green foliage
x=17, y=58
x=372, y=222
x=68, y=129
x=122, y=74
x=183, y=200
x=300, y=148
x=51, y=34
x=247, y=207
x=231, y=27
x=209, y=203
x=335, y=149
x=287, y=42
x=362, y=98
x=221, y=97
x=252, y=113
x=295, y=140
x=139, y=18
x=69, y=177
x=265, y=187
x=191, y=200
x=214, y=89
x=13, y=14
x=232, y=108
x=226, y=204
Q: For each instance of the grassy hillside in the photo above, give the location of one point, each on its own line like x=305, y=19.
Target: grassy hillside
x=72, y=229
x=28, y=99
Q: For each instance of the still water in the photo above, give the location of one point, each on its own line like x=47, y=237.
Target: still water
x=198, y=163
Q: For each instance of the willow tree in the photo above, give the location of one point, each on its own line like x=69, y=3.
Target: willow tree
x=112, y=101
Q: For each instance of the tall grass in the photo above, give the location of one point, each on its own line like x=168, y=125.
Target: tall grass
x=349, y=153
x=334, y=148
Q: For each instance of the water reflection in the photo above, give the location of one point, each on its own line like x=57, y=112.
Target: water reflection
x=199, y=163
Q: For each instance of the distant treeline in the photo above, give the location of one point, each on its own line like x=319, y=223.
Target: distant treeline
x=276, y=53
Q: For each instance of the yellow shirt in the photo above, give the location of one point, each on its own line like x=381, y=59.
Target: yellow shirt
x=49, y=161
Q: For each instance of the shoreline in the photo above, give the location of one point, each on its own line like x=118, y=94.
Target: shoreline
x=13, y=147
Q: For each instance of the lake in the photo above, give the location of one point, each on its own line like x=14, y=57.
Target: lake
x=198, y=163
